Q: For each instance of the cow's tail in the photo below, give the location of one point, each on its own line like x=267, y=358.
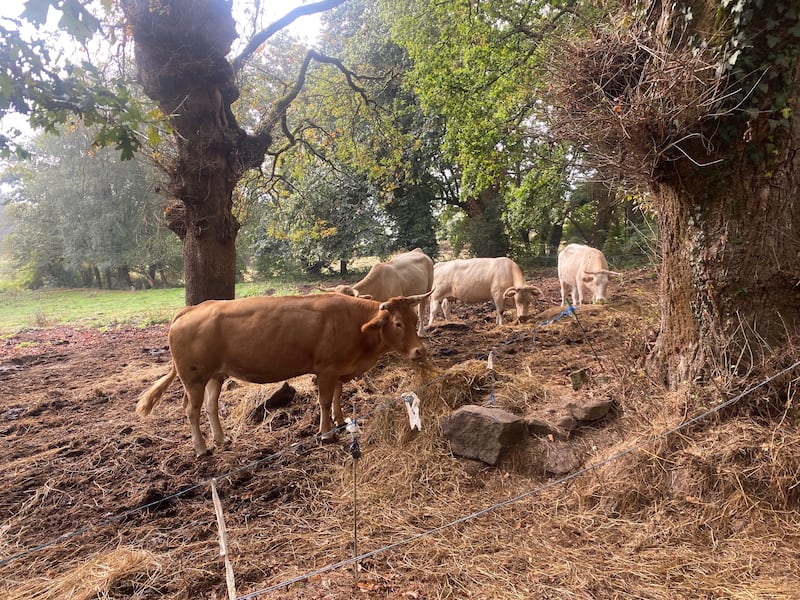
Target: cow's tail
x=153, y=394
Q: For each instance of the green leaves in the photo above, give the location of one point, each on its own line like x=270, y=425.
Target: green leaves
x=36, y=11
x=75, y=19
x=52, y=91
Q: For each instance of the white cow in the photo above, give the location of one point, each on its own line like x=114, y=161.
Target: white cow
x=407, y=274
x=584, y=270
x=474, y=280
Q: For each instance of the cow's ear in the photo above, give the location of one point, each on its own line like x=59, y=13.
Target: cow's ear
x=377, y=323
x=510, y=292
x=588, y=278
x=366, y=296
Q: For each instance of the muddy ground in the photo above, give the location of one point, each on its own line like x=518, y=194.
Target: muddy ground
x=99, y=503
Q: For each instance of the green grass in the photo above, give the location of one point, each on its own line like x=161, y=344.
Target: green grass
x=20, y=309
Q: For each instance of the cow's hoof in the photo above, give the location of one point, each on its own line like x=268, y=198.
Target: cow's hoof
x=205, y=453
x=328, y=437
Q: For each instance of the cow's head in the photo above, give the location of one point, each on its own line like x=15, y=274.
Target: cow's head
x=524, y=297
x=396, y=322
x=597, y=282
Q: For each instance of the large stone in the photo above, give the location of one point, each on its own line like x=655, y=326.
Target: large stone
x=591, y=411
x=482, y=432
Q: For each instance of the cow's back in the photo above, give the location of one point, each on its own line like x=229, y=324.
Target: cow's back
x=407, y=274
x=577, y=258
x=415, y=270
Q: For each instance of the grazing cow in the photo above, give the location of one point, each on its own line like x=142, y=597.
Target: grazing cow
x=474, y=280
x=269, y=339
x=407, y=274
x=583, y=269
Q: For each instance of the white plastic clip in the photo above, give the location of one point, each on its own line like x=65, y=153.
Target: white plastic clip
x=490, y=361
x=411, y=402
x=352, y=426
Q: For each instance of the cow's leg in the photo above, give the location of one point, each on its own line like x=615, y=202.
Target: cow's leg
x=422, y=310
x=446, y=308
x=578, y=291
x=499, y=304
x=192, y=403
x=213, y=388
x=563, y=283
x=338, y=417
x=327, y=389
x=434, y=308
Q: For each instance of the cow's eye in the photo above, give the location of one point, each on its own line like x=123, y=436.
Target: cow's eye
x=398, y=324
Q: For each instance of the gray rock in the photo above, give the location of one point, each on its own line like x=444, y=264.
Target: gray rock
x=593, y=410
x=566, y=423
x=561, y=460
x=481, y=432
x=579, y=378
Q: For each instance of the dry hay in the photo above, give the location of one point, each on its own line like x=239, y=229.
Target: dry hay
x=106, y=575
x=707, y=512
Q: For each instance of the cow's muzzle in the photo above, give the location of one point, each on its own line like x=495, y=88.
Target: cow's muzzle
x=418, y=353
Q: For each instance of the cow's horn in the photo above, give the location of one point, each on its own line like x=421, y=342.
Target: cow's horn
x=404, y=299
x=419, y=297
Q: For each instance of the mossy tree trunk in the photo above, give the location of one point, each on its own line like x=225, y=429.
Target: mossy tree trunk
x=700, y=103
x=731, y=264
x=730, y=278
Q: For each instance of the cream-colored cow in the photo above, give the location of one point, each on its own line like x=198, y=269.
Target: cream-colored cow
x=583, y=269
x=474, y=280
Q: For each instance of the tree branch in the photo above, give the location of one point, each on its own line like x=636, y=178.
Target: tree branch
x=279, y=108
x=286, y=20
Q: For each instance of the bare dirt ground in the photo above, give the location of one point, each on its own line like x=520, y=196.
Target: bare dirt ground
x=99, y=503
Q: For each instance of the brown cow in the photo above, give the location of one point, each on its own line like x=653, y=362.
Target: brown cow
x=268, y=339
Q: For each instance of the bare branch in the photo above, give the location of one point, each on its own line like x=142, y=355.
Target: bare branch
x=278, y=111
x=286, y=20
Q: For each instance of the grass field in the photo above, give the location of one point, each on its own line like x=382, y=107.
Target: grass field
x=20, y=309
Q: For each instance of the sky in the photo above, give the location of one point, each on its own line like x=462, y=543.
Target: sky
x=273, y=8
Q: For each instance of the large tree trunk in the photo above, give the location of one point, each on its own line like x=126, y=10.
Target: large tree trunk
x=717, y=142
x=730, y=277
x=484, y=226
x=181, y=49
x=731, y=249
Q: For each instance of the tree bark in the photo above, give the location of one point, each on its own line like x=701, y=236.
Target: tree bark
x=181, y=49
x=729, y=273
x=484, y=227
x=730, y=236
x=715, y=134
x=730, y=240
